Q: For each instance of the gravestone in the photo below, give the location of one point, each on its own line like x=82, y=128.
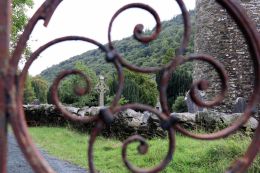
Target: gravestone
x=36, y=102
x=158, y=105
x=240, y=105
x=192, y=107
x=102, y=88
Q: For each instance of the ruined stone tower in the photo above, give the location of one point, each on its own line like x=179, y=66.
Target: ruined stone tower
x=218, y=35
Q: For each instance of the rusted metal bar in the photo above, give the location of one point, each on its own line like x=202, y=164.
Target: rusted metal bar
x=5, y=18
x=12, y=86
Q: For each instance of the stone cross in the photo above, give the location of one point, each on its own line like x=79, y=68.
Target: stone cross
x=102, y=88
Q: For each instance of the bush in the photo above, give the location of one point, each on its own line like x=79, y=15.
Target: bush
x=122, y=100
x=180, y=105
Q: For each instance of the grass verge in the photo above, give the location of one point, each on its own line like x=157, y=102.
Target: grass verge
x=191, y=156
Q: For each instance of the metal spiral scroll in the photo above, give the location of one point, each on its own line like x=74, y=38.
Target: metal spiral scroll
x=106, y=116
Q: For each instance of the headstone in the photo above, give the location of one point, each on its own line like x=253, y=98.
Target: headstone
x=158, y=105
x=102, y=88
x=240, y=105
x=36, y=102
x=192, y=107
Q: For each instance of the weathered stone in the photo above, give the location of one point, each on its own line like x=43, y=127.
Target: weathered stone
x=158, y=105
x=217, y=35
x=214, y=120
x=102, y=88
x=72, y=109
x=192, y=107
x=36, y=102
x=44, y=114
x=131, y=118
x=131, y=122
x=126, y=123
x=146, y=116
x=187, y=120
x=240, y=105
x=154, y=126
x=93, y=111
x=230, y=118
x=83, y=111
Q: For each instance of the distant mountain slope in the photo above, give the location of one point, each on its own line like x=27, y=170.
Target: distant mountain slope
x=151, y=54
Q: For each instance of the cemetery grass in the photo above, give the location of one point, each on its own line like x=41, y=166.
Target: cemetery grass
x=190, y=155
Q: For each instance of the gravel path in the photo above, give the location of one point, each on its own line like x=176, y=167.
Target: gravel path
x=18, y=164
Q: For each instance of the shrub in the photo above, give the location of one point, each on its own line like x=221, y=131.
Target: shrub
x=180, y=105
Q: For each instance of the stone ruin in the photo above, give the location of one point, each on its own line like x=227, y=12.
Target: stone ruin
x=217, y=35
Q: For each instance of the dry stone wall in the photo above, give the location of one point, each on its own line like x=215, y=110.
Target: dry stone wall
x=218, y=35
x=131, y=122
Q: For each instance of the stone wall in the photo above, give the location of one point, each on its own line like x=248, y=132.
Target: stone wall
x=126, y=123
x=218, y=35
x=130, y=122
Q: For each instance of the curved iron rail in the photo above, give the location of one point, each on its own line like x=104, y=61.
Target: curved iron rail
x=12, y=86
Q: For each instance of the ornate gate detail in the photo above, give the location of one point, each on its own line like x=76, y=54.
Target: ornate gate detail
x=12, y=86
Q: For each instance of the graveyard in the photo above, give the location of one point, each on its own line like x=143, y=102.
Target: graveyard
x=181, y=96
x=57, y=136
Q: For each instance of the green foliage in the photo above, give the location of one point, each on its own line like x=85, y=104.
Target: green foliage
x=122, y=100
x=179, y=84
x=40, y=87
x=168, y=56
x=190, y=156
x=19, y=19
x=180, y=105
x=19, y=16
x=138, y=88
x=155, y=53
x=29, y=94
x=66, y=89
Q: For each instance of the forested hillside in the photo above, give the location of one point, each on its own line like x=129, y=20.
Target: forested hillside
x=152, y=54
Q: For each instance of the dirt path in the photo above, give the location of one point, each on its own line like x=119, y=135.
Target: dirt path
x=18, y=164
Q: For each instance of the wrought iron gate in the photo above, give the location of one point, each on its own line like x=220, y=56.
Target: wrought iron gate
x=12, y=86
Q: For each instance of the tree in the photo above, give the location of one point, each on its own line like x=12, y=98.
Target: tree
x=138, y=88
x=19, y=19
x=179, y=83
x=29, y=94
x=40, y=87
x=66, y=89
x=168, y=56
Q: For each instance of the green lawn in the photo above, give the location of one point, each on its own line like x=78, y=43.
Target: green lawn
x=190, y=155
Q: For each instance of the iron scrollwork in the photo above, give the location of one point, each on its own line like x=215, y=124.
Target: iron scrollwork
x=15, y=85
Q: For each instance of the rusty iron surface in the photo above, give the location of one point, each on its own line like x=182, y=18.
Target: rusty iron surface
x=12, y=86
